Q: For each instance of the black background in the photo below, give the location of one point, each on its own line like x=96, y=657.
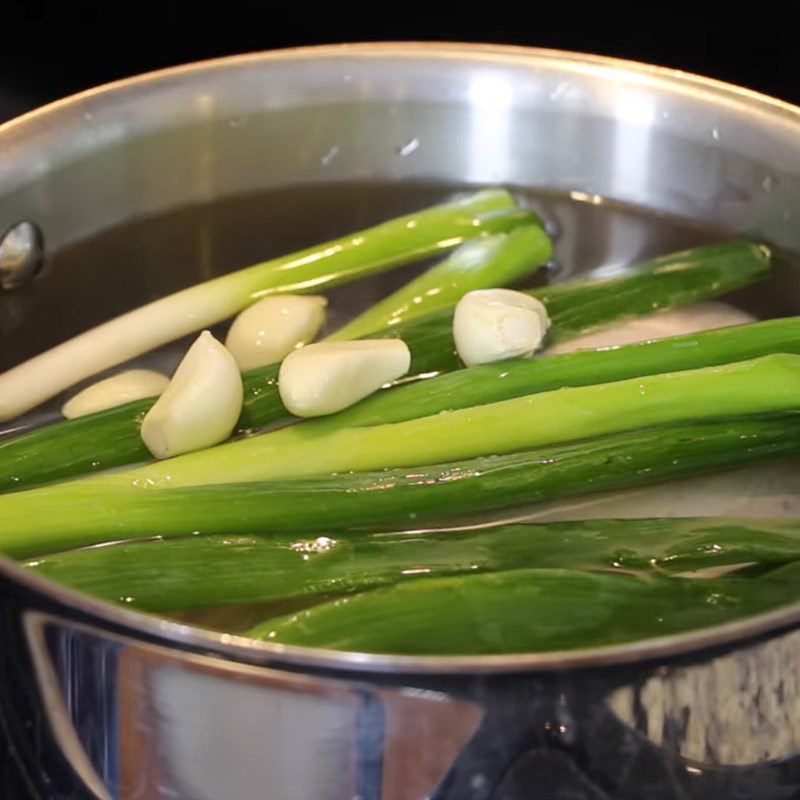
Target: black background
x=48, y=50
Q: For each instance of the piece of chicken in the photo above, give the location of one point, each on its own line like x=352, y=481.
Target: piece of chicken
x=679, y=321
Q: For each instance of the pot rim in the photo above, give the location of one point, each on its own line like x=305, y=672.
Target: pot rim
x=242, y=649
x=583, y=62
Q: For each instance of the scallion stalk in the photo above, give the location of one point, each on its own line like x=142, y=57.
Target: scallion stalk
x=521, y=611
x=577, y=307
x=167, y=575
x=490, y=383
x=764, y=385
x=390, y=244
x=478, y=264
x=111, y=438
x=88, y=512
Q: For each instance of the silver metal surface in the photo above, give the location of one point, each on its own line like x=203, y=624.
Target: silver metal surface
x=164, y=724
x=595, y=127
x=21, y=255
x=470, y=114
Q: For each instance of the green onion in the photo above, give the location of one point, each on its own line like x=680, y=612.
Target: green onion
x=679, y=279
x=479, y=264
x=87, y=512
x=382, y=247
x=167, y=575
x=759, y=386
x=521, y=611
x=111, y=438
x=786, y=572
x=490, y=383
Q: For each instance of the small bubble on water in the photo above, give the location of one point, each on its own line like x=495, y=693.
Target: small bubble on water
x=768, y=182
x=715, y=134
x=407, y=148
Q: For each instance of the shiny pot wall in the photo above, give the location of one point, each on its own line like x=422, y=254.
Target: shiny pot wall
x=98, y=702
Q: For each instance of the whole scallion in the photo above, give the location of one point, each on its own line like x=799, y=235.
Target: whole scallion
x=390, y=244
x=490, y=383
x=478, y=264
x=165, y=575
x=677, y=279
x=521, y=611
x=111, y=438
x=764, y=385
x=87, y=512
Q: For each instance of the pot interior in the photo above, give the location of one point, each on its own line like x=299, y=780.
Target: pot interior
x=144, y=189
x=130, y=264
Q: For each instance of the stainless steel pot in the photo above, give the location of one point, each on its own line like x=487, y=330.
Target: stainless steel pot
x=100, y=702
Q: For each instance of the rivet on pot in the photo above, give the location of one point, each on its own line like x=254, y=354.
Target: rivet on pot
x=21, y=255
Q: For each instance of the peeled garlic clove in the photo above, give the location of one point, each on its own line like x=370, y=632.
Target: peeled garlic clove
x=495, y=324
x=200, y=406
x=326, y=377
x=117, y=390
x=266, y=332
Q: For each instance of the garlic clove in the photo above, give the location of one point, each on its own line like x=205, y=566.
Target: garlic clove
x=134, y=384
x=200, y=406
x=326, y=377
x=496, y=324
x=266, y=332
